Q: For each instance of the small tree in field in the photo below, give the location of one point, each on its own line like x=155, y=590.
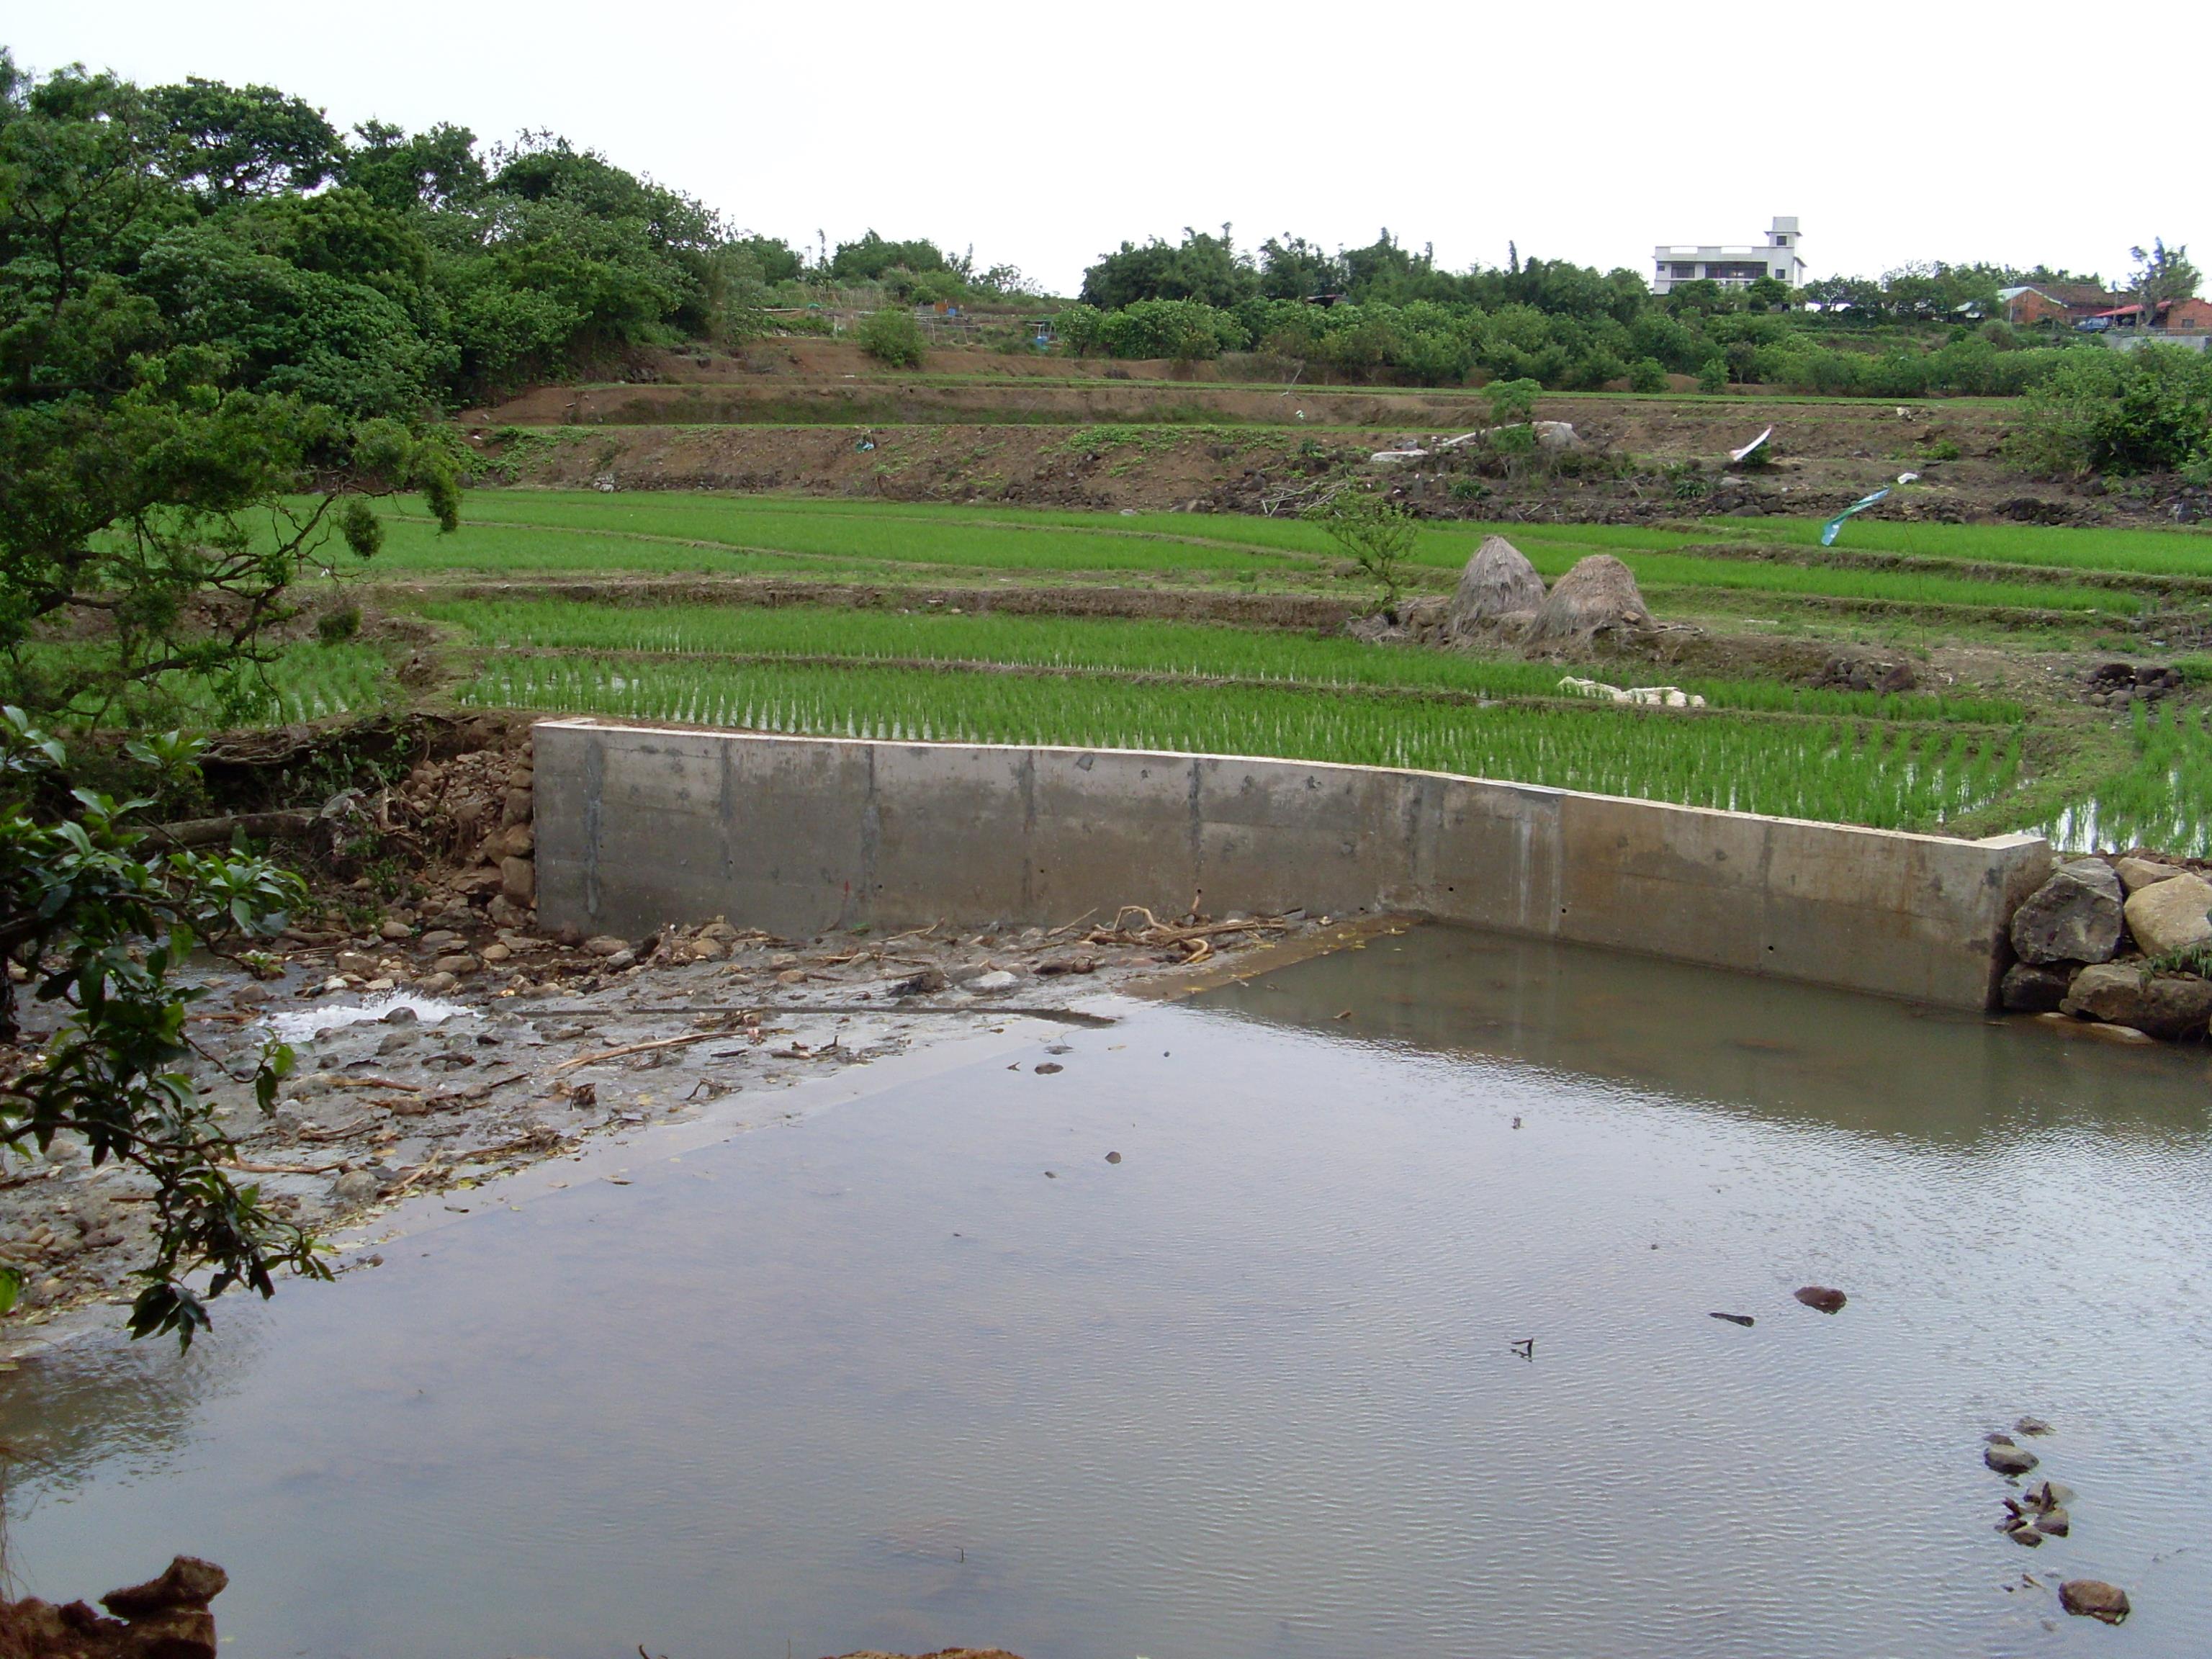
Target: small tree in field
x=1375, y=533
x=1513, y=402
x=891, y=336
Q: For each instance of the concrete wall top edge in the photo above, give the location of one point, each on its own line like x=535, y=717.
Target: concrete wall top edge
x=580, y=723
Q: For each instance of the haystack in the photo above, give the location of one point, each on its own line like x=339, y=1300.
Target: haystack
x=1498, y=581
x=1598, y=596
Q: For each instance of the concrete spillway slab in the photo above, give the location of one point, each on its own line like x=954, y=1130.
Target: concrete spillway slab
x=638, y=826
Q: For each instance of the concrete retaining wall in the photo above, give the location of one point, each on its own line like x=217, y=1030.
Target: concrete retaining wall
x=639, y=825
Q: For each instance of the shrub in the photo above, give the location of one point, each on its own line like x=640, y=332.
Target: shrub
x=1647, y=375
x=892, y=336
x=1513, y=402
x=1712, y=375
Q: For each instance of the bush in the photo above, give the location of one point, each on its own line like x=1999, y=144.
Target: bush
x=1712, y=375
x=2147, y=410
x=1647, y=375
x=892, y=336
x=1513, y=402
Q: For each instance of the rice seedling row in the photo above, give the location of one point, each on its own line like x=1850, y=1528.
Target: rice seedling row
x=1148, y=647
x=1892, y=776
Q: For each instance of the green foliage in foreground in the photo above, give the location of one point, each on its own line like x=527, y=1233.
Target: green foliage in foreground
x=1893, y=776
x=1128, y=646
x=105, y=921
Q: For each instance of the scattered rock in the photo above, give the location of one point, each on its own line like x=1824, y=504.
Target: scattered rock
x=604, y=944
x=2092, y=1598
x=355, y=1187
x=1847, y=672
x=2007, y=1459
x=1113, y=1157
x=2168, y=1006
x=929, y=980
x=460, y=963
x=1734, y=1319
x=2037, y=988
x=1598, y=596
x=1047, y=1069
x=439, y=939
x=2171, y=915
x=1498, y=581
x=997, y=980
x=437, y=985
x=2073, y=917
x=2032, y=1425
x=396, y=931
x=1822, y=1299
x=623, y=958
x=402, y=1015
x=518, y=879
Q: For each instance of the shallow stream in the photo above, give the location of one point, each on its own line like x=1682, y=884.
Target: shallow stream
x=927, y=1369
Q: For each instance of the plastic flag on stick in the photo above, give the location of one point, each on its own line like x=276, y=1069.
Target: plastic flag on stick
x=1738, y=454
x=1834, y=527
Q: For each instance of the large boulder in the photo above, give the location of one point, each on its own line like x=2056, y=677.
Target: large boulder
x=2073, y=917
x=2037, y=988
x=2169, y=1005
x=1598, y=596
x=2137, y=873
x=1498, y=581
x=2171, y=915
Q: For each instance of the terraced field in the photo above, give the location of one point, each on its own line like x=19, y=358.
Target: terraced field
x=867, y=618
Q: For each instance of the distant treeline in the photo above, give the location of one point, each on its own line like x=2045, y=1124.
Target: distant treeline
x=1387, y=310
x=384, y=273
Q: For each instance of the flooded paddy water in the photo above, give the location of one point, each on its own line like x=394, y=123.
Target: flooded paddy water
x=927, y=1368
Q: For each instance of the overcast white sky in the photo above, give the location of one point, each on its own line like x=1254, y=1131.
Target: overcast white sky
x=1042, y=136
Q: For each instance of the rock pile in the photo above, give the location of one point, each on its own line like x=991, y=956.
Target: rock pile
x=2103, y=941
x=2115, y=685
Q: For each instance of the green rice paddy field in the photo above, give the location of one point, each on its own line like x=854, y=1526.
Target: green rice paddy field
x=1964, y=760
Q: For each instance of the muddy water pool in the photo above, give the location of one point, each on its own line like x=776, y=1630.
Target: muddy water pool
x=876, y=1378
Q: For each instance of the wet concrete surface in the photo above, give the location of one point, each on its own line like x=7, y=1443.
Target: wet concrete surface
x=914, y=1364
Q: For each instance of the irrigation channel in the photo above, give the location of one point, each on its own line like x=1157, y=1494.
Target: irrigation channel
x=928, y=1368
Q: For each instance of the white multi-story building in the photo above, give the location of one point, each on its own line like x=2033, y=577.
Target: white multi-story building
x=1779, y=258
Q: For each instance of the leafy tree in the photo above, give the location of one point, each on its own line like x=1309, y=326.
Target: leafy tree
x=431, y=170
x=1375, y=533
x=2162, y=276
x=232, y=142
x=167, y=396
x=1203, y=268
x=1292, y=268
x=873, y=256
x=892, y=336
x=104, y=921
